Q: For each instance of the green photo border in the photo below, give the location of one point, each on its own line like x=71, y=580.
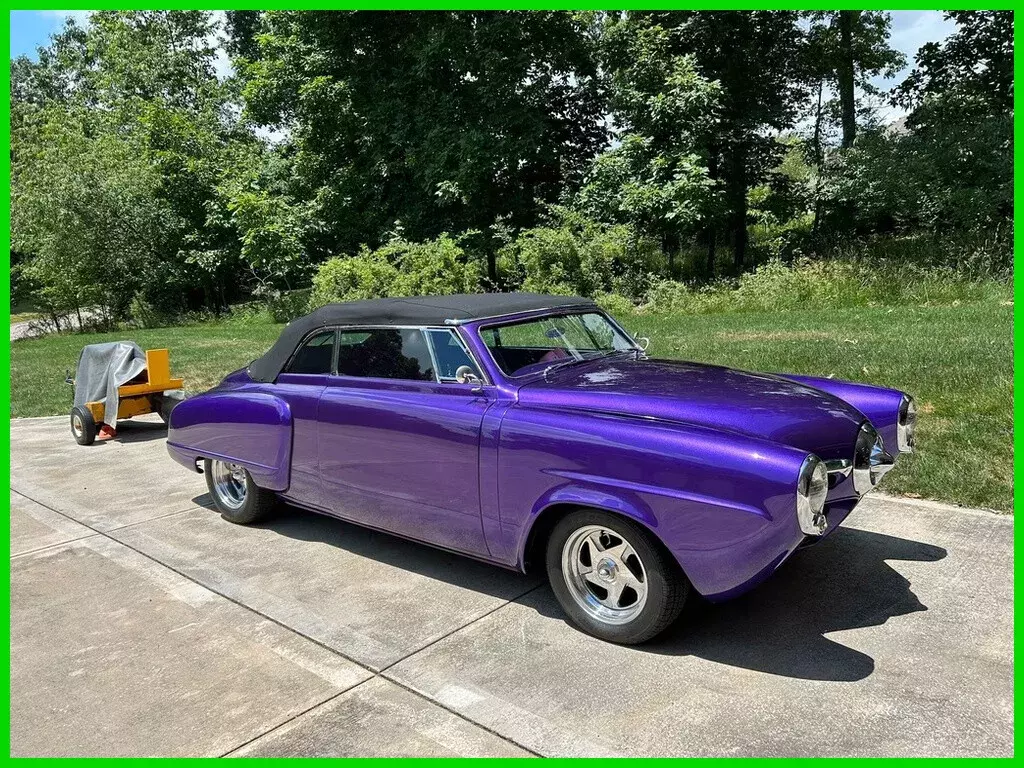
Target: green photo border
x=811, y=728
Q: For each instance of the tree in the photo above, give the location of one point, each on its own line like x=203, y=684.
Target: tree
x=138, y=84
x=87, y=212
x=845, y=76
x=951, y=168
x=976, y=61
x=845, y=50
x=427, y=121
x=656, y=178
x=756, y=59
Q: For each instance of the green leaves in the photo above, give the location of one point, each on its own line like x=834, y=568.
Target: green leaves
x=442, y=120
x=400, y=268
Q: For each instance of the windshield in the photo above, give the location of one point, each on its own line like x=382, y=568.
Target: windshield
x=533, y=345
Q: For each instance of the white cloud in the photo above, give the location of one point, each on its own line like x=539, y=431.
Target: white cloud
x=912, y=29
x=82, y=17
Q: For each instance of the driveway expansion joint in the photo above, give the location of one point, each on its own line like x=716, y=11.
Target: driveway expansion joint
x=375, y=672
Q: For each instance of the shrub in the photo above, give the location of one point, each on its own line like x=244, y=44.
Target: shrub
x=805, y=284
x=400, y=268
x=143, y=313
x=615, y=304
x=775, y=286
x=575, y=255
x=673, y=296
x=287, y=305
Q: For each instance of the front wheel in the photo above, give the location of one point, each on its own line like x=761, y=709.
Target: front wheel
x=235, y=495
x=612, y=578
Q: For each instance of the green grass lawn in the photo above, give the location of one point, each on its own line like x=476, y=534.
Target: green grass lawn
x=957, y=361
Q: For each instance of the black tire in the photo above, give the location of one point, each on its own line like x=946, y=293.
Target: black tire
x=83, y=425
x=666, y=586
x=254, y=505
x=164, y=404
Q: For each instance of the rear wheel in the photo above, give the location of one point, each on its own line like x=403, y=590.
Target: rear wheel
x=235, y=495
x=83, y=425
x=612, y=578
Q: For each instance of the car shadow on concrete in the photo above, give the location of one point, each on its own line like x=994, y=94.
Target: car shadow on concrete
x=388, y=549
x=779, y=628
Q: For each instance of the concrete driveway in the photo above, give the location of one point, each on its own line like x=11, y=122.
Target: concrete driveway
x=143, y=624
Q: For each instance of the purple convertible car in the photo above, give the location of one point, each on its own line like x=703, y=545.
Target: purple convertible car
x=532, y=431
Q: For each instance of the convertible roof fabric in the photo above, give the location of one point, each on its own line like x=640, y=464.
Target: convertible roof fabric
x=416, y=311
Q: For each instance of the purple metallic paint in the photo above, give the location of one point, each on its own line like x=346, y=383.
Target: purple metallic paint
x=753, y=404
x=251, y=428
x=879, y=405
x=705, y=457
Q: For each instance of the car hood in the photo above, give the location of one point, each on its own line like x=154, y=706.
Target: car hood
x=755, y=404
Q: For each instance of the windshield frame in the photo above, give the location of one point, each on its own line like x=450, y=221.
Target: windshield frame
x=569, y=312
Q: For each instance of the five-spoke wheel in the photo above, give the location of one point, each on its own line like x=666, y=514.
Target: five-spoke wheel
x=612, y=578
x=604, y=574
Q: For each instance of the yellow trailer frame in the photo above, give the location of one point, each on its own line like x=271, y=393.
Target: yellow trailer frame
x=135, y=399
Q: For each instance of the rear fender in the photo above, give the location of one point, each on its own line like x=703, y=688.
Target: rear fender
x=253, y=429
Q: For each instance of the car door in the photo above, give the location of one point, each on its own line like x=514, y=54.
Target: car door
x=300, y=384
x=399, y=439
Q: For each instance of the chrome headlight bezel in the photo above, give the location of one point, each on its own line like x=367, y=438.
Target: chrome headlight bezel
x=870, y=459
x=811, y=492
x=906, y=425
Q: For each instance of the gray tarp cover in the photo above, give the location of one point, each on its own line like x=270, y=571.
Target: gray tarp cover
x=102, y=368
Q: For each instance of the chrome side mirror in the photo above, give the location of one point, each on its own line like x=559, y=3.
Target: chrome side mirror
x=643, y=341
x=466, y=375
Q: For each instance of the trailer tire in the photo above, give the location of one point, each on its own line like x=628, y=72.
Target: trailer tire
x=83, y=425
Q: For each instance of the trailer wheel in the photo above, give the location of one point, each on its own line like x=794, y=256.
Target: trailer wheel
x=83, y=426
x=165, y=403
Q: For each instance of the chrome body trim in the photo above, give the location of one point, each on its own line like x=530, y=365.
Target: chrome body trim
x=840, y=467
x=810, y=504
x=870, y=461
x=568, y=307
x=421, y=328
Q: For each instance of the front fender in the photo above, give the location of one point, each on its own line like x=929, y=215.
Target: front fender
x=723, y=504
x=880, y=405
x=253, y=429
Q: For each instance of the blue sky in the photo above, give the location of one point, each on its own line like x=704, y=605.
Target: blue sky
x=30, y=29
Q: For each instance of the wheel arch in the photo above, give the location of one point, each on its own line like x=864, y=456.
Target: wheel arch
x=531, y=556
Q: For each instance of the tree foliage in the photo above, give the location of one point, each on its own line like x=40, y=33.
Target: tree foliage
x=390, y=153
x=438, y=121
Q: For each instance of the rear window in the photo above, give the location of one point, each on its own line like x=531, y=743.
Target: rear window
x=314, y=356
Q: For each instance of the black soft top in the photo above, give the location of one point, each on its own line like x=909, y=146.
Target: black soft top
x=416, y=311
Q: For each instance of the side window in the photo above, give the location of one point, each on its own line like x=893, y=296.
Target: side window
x=314, y=356
x=450, y=354
x=385, y=353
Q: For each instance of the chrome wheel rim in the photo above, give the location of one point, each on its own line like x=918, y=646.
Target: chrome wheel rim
x=604, y=574
x=229, y=483
x=77, y=427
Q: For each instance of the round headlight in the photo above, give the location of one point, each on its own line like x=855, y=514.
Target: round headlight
x=811, y=490
x=905, y=425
